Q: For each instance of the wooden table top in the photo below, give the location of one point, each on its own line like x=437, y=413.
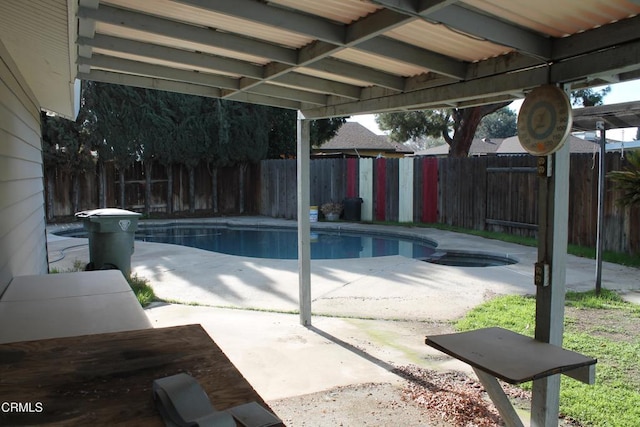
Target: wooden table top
x=512, y=357
x=107, y=378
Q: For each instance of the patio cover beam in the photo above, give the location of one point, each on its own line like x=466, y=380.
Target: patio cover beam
x=475, y=24
x=363, y=34
x=623, y=59
x=211, y=37
x=187, y=32
x=180, y=87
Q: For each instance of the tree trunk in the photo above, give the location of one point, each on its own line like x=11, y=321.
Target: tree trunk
x=122, y=199
x=466, y=124
x=148, y=165
x=192, y=189
x=75, y=193
x=214, y=190
x=102, y=183
x=51, y=188
x=170, y=188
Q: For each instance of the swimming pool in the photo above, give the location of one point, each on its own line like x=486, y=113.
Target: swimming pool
x=278, y=243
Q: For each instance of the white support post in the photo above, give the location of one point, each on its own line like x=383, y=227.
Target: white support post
x=550, y=294
x=366, y=188
x=304, y=224
x=602, y=166
x=405, y=190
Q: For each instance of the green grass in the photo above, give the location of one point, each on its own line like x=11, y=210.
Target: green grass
x=140, y=286
x=577, y=250
x=615, y=398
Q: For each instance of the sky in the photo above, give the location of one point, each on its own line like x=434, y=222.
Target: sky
x=620, y=92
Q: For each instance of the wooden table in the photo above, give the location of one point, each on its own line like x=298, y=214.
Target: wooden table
x=514, y=358
x=106, y=378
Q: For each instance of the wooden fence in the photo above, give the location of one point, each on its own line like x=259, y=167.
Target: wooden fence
x=485, y=193
x=60, y=199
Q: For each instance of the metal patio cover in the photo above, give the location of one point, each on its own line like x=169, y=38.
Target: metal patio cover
x=344, y=57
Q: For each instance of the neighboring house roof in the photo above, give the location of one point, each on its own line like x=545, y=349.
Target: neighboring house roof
x=438, y=150
x=479, y=147
x=483, y=147
x=577, y=145
x=353, y=137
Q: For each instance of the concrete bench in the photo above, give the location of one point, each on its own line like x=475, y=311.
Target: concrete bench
x=68, y=304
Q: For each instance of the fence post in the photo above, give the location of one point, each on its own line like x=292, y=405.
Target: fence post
x=405, y=190
x=366, y=188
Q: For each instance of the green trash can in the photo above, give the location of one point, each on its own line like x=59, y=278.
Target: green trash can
x=111, y=238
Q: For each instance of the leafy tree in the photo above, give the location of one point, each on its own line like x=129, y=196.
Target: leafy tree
x=323, y=130
x=194, y=127
x=250, y=136
x=116, y=124
x=65, y=147
x=94, y=135
x=155, y=127
x=462, y=122
x=282, y=132
x=589, y=97
x=501, y=124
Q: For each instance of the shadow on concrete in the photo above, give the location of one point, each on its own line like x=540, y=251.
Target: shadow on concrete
x=355, y=350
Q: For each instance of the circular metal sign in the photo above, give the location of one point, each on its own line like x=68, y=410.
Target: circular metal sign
x=544, y=120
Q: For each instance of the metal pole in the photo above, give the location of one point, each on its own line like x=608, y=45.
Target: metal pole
x=304, y=226
x=552, y=253
x=601, y=185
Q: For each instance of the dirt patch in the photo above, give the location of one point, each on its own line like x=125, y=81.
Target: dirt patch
x=426, y=398
x=612, y=324
x=355, y=405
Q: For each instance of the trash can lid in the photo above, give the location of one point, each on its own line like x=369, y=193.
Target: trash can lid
x=106, y=212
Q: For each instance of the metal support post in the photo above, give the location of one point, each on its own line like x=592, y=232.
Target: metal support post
x=552, y=252
x=601, y=190
x=304, y=223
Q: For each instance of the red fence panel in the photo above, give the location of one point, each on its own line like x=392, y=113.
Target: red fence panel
x=429, y=190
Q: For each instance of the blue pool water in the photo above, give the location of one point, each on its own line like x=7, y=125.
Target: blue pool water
x=278, y=243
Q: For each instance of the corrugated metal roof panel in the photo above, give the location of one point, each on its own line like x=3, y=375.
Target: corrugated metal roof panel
x=345, y=11
x=334, y=77
x=114, y=30
x=558, y=18
x=154, y=61
x=380, y=62
x=185, y=13
x=441, y=39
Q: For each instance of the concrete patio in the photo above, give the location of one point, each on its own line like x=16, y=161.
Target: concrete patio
x=370, y=314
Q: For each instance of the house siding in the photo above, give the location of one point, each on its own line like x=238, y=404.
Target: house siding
x=22, y=216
